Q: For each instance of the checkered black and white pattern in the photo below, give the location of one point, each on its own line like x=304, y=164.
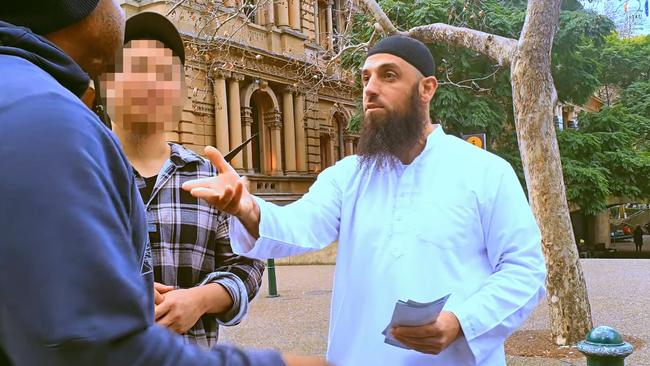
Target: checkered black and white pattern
x=190, y=245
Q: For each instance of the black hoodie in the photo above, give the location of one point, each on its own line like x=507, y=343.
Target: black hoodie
x=75, y=274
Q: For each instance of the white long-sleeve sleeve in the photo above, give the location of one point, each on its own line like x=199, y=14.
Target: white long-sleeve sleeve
x=454, y=221
x=515, y=288
x=309, y=224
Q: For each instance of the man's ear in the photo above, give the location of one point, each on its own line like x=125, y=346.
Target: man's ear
x=428, y=86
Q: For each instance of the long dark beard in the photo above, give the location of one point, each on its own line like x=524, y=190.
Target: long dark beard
x=385, y=138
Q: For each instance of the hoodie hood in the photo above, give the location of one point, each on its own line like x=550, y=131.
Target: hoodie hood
x=21, y=42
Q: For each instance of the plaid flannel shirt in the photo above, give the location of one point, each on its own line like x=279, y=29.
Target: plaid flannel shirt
x=190, y=245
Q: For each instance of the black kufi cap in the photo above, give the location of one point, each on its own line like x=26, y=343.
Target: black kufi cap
x=45, y=16
x=409, y=49
x=154, y=26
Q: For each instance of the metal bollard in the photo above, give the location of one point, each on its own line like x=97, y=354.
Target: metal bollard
x=604, y=346
x=273, y=290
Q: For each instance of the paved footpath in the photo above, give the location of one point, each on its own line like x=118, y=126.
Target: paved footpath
x=297, y=320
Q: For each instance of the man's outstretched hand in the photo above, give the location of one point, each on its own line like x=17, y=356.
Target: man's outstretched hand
x=223, y=191
x=227, y=192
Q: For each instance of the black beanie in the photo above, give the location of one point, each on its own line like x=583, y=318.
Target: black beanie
x=45, y=16
x=409, y=49
x=154, y=26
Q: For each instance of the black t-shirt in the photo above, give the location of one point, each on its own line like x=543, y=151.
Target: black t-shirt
x=148, y=188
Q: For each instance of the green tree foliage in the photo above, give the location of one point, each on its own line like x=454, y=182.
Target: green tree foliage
x=607, y=156
x=575, y=66
x=625, y=61
x=483, y=103
x=576, y=53
x=636, y=98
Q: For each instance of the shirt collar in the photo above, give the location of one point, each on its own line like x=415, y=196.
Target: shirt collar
x=181, y=156
x=434, y=138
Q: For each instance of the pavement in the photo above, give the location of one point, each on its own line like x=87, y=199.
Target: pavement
x=627, y=245
x=297, y=320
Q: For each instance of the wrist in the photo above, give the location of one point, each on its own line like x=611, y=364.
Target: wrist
x=202, y=298
x=247, y=209
x=250, y=216
x=214, y=298
x=456, y=326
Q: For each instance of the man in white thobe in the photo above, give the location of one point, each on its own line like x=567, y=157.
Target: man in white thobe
x=418, y=214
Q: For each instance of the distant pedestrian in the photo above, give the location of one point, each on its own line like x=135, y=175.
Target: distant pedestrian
x=627, y=230
x=638, y=238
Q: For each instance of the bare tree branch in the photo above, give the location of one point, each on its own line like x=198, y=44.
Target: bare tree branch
x=498, y=48
x=381, y=17
x=355, y=48
x=501, y=49
x=171, y=10
x=473, y=85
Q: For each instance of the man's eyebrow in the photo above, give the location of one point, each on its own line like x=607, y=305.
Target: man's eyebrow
x=388, y=65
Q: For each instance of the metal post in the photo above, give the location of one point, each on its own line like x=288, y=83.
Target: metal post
x=604, y=346
x=270, y=267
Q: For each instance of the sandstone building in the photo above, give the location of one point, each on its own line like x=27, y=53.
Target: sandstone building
x=261, y=68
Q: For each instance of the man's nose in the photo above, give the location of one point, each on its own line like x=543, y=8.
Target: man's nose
x=372, y=88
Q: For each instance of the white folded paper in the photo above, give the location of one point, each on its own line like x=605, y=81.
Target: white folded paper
x=412, y=314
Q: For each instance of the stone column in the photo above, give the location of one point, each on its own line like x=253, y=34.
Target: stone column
x=283, y=13
x=333, y=153
x=273, y=120
x=247, y=123
x=600, y=227
x=330, y=26
x=316, y=23
x=301, y=139
x=289, y=130
x=294, y=14
x=221, y=111
x=234, y=114
x=340, y=17
x=348, y=145
x=270, y=12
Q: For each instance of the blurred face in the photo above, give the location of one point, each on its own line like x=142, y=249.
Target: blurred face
x=144, y=95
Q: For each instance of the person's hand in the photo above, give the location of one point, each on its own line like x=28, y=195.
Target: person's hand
x=158, y=290
x=431, y=338
x=226, y=192
x=291, y=360
x=180, y=309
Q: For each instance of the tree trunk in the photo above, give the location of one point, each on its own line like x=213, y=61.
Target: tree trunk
x=534, y=98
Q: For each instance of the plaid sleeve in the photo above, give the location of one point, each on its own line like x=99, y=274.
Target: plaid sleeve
x=248, y=270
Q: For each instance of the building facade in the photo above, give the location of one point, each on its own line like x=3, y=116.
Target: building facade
x=262, y=69
x=566, y=114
